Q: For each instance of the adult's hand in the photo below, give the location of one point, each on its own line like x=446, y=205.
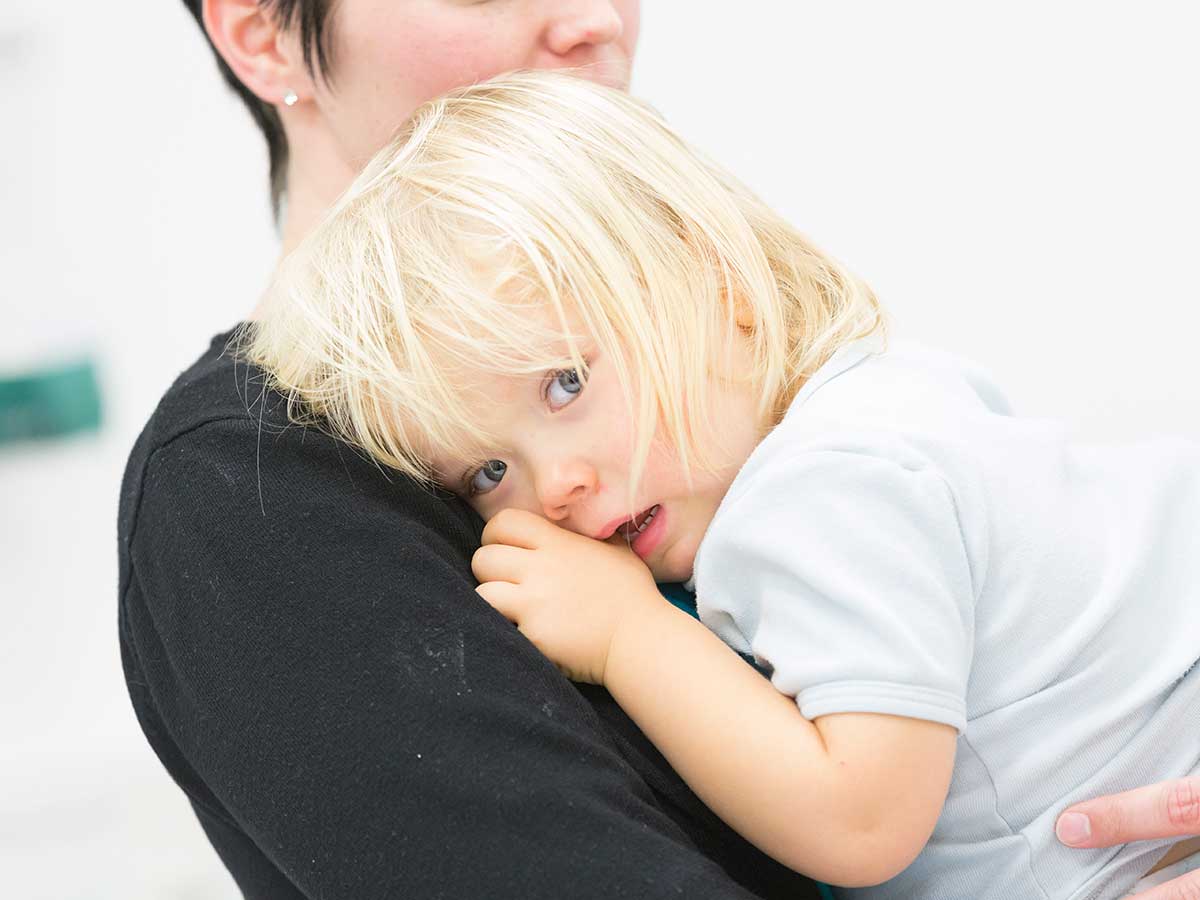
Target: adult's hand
x=1167, y=809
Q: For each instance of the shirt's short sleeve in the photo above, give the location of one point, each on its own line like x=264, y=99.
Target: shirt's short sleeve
x=846, y=574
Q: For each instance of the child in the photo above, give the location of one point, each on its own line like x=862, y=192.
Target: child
x=540, y=298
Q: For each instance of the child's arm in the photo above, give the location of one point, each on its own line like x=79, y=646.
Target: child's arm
x=850, y=799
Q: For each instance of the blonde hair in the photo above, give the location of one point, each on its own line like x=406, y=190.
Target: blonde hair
x=536, y=193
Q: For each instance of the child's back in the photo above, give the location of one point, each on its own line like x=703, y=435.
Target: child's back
x=947, y=561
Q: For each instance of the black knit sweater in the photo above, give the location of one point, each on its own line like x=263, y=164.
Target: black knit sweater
x=306, y=654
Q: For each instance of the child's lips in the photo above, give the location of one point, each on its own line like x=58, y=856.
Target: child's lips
x=650, y=532
x=631, y=528
x=621, y=527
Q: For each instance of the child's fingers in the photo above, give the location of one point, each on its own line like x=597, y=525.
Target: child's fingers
x=517, y=527
x=499, y=562
x=503, y=597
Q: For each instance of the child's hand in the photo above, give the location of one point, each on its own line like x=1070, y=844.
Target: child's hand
x=569, y=594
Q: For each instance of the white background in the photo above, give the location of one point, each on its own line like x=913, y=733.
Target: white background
x=1017, y=181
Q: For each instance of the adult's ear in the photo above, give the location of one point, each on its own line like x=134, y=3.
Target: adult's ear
x=266, y=59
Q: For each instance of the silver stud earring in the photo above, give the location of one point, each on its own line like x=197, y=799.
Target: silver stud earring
x=290, y=98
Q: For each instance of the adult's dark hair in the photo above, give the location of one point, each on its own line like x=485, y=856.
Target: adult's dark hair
x=313, y=18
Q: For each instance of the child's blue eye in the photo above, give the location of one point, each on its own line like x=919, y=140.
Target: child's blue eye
x=563, y=387
x=487, y=477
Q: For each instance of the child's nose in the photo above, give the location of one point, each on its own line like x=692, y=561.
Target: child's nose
x=563, y=486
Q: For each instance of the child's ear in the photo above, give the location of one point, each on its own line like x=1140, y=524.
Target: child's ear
x=742, y=316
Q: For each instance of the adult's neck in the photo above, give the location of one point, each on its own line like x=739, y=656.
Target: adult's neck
x=312, y=187
x=317, y=175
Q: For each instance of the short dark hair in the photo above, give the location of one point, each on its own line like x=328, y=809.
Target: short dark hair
x=313, y=18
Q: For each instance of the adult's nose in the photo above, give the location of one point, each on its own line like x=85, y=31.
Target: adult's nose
x=578, y=24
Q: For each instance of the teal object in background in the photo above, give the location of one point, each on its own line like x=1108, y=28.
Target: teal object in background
x=55, y=402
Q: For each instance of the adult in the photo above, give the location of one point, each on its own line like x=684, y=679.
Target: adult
x=1169, y=810
x=301, y=638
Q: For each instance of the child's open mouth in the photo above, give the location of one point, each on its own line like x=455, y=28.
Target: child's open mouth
x=638, y=523
x=644, y=531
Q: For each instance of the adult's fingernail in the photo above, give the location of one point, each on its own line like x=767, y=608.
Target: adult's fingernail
x=1073, y=828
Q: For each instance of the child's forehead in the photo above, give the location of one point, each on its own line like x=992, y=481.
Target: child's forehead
x=515, y=276
x=491, y=396
x=492, y=406
x=488, y=409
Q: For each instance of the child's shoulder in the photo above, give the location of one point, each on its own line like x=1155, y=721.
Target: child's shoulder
x=873, y=410
x=895, y=387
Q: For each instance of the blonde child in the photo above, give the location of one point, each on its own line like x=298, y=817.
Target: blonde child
x=540, y=298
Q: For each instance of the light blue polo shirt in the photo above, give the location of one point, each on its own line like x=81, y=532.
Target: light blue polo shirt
x=902, y=544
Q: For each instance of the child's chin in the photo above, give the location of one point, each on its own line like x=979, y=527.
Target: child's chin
x=671, y=569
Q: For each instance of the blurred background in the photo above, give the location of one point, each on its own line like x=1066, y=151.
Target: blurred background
x=1018, y=181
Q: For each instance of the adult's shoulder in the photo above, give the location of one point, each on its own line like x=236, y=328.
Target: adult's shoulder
x=218, y=386
x=220, y=447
